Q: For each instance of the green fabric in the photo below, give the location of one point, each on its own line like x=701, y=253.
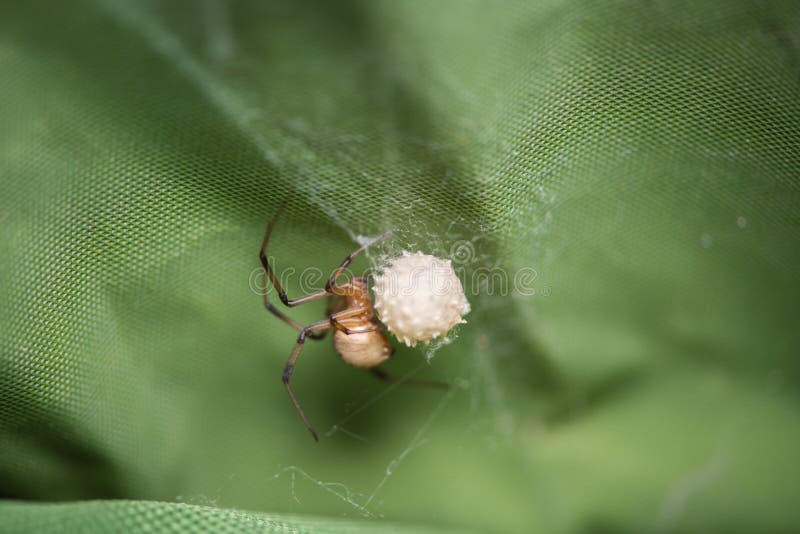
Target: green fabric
x=635, y=164
x=149, y=516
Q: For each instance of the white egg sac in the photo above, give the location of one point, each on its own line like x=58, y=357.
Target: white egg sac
x=419, y=298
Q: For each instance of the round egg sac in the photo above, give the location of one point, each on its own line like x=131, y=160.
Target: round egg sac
x=419, y=298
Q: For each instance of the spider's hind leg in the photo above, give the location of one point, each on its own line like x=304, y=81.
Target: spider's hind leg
x=289, y=369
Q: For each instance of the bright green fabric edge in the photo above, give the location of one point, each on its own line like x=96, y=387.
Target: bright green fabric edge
x=154, y=516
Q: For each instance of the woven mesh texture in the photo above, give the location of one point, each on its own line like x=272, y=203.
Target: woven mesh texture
x=140, y=516
x=634, y=165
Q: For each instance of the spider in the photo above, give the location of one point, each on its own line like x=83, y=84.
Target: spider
x=358, y=337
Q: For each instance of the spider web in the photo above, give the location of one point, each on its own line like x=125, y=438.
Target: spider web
x=366, y=501
x=363, y=503
x=147, y=143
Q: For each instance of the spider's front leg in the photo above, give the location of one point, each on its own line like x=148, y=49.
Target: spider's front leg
x=330, y=287
x=270, y=273
x=262, y=255
x=288, y=320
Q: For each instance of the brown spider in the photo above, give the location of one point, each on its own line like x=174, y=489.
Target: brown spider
x=358, y=337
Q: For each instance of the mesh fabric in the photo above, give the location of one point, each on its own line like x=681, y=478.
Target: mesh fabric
x=638, y=162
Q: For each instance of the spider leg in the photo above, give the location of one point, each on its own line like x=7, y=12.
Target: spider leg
x=338, y=319
x=288, y=320
x=287, y=371
x=349, y=259
x=339, y=326
x=329, y=286
x=386, y=377
x=271, y=273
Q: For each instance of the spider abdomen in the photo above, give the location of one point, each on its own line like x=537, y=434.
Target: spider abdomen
x=362, y=349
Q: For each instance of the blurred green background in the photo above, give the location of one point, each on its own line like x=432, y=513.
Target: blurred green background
x=637, y=162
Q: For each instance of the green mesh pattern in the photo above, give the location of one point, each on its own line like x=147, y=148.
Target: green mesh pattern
x=148, y=516
x=635, y=164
